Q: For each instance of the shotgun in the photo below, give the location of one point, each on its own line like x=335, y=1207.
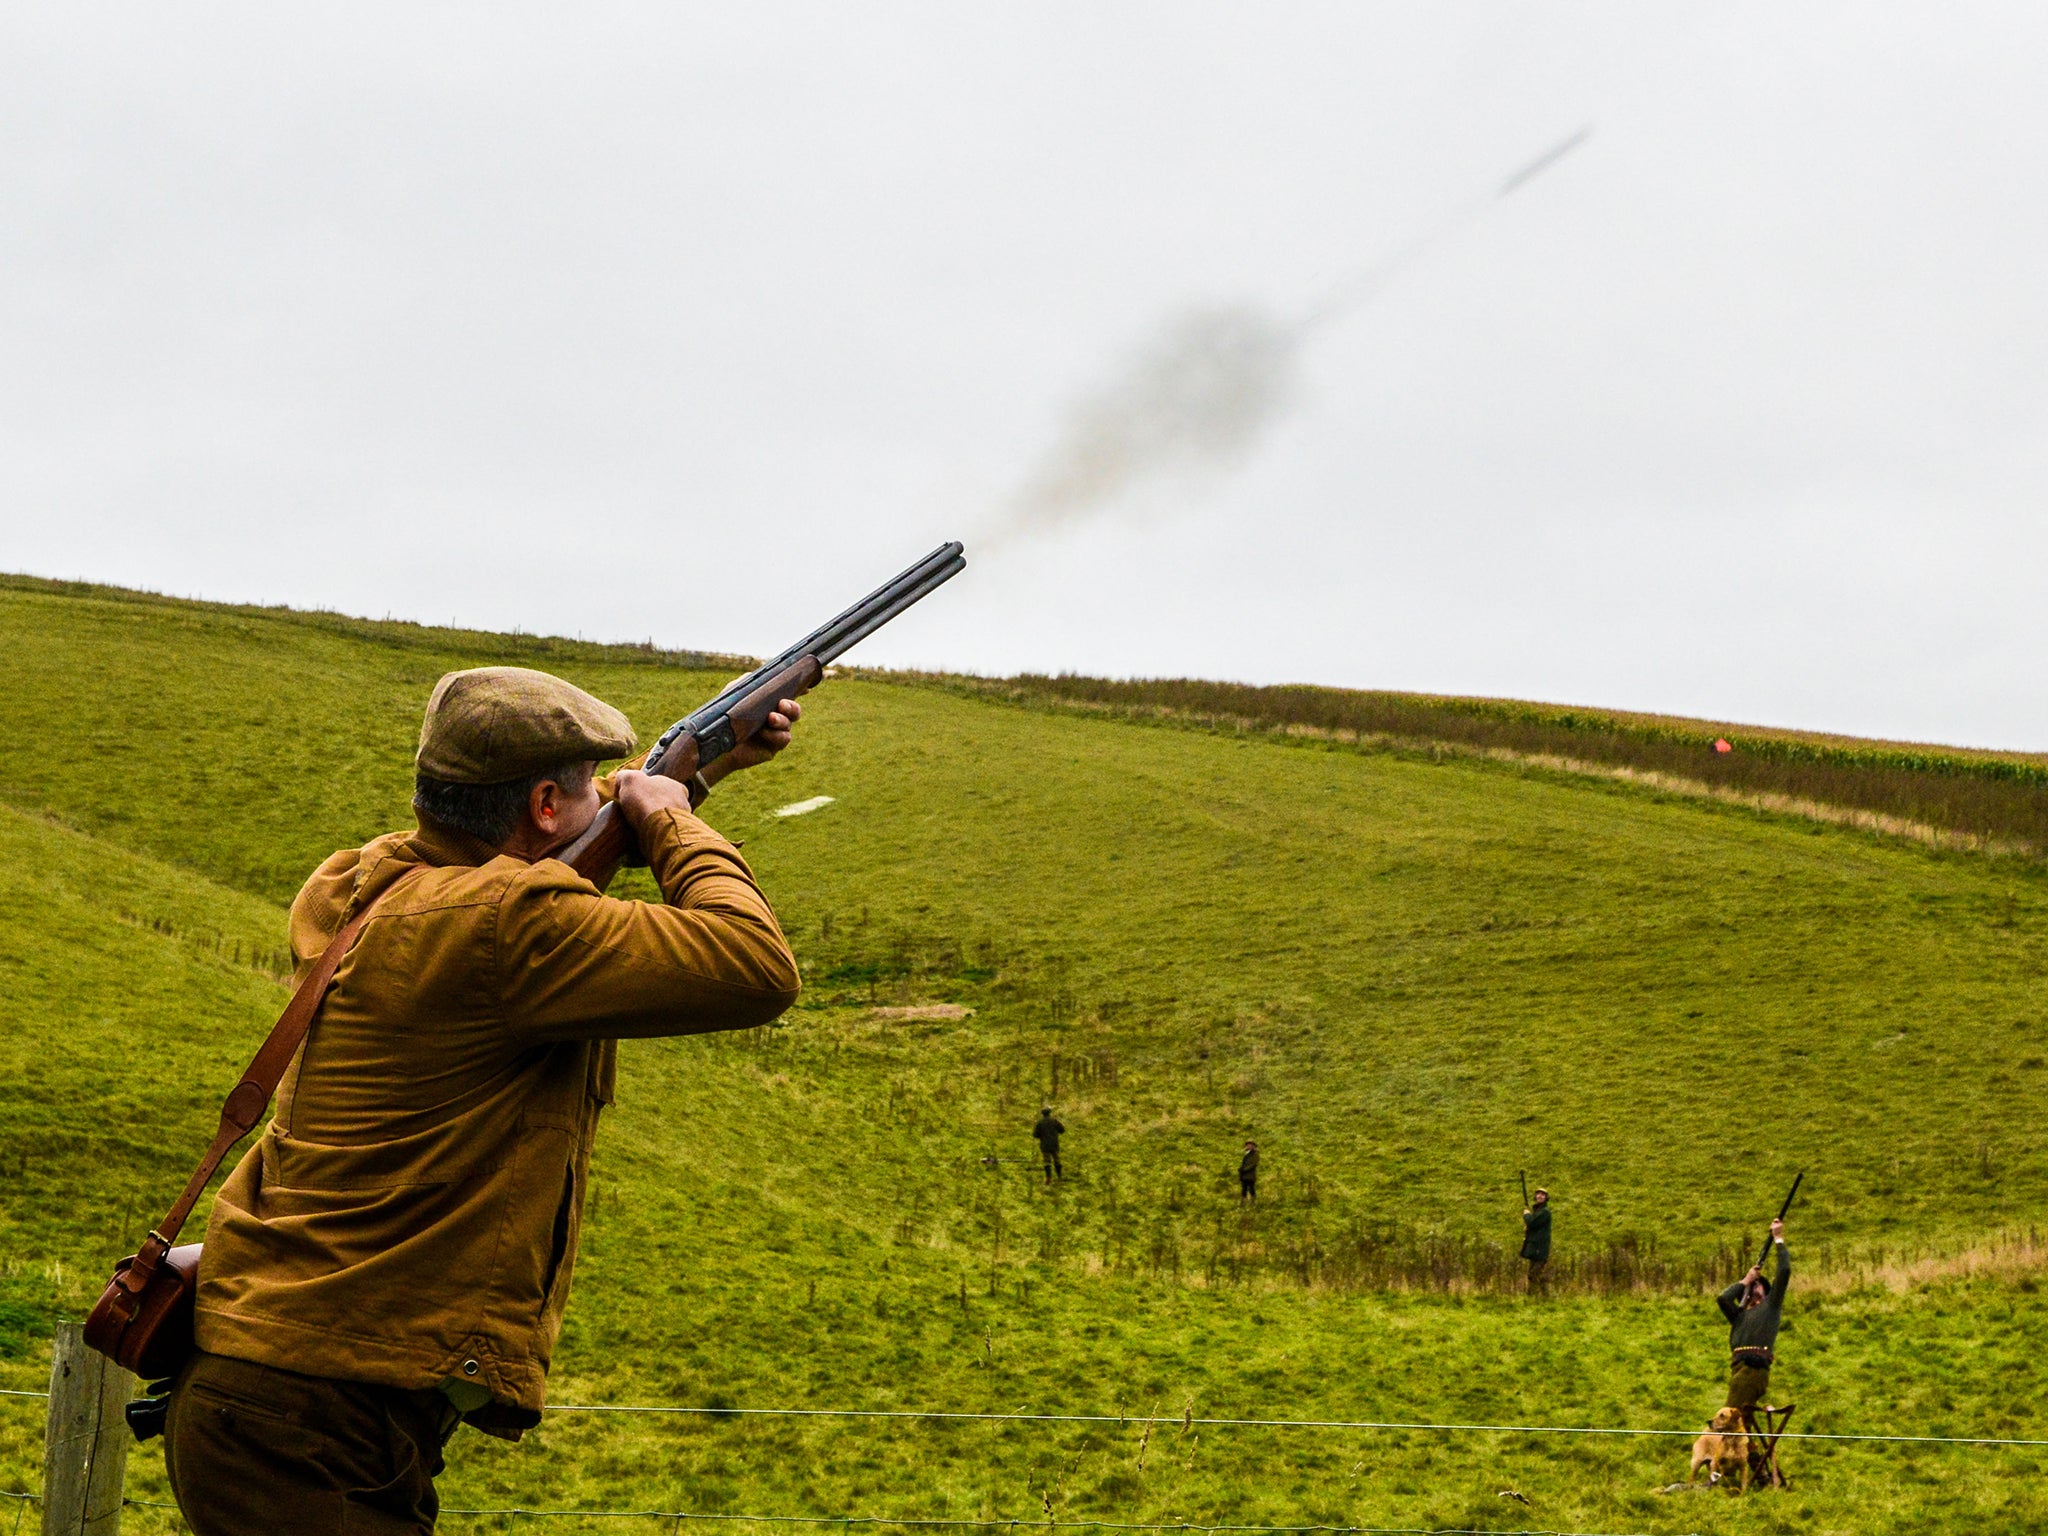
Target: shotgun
x=706, y=734
x=1765, y=1251
x=1525, y=1191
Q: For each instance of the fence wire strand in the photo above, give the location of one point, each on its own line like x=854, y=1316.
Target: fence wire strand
x=1195, y=1423
x=1193, y=1528
x=1395, y=1426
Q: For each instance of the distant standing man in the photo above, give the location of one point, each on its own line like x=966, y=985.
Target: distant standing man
x=1248, y=1174
x=393, y=1256
x=1754, y=1307
x=1536, y=1241
x=1049, y=1131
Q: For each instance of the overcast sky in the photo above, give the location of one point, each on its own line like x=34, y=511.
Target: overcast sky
x=693, y=323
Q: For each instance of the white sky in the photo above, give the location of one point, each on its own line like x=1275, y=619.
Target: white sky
x=694, y=323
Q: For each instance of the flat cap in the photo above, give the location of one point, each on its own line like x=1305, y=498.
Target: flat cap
x=491, y=724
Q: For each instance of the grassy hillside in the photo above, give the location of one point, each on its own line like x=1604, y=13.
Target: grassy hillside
x=1996, y=799
x=1408, y=978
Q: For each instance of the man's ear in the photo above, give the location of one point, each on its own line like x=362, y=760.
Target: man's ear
x=544, y=804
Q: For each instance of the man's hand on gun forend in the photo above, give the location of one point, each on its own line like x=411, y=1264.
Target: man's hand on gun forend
x=769, y=740
x=1777, y=1231
x=759, y=747
x=641, y=795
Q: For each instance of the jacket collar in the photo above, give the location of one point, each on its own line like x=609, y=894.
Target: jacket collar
x=443, y=846
x=386, y=860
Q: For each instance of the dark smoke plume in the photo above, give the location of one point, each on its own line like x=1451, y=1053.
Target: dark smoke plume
x=1198, y=394
x=1204, y=389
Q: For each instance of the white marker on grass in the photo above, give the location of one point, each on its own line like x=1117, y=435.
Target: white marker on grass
x=802, y=807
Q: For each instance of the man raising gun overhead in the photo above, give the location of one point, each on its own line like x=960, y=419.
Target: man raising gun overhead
x=1536, y=1241
x=1754, y=1308
x=394, y=1254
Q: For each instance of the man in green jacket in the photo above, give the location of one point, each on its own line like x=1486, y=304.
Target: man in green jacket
x=394, y=1253
x=1754, y=1308
x=1536, y=1240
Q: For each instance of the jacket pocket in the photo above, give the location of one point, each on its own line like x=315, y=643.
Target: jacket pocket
x=238, y=1405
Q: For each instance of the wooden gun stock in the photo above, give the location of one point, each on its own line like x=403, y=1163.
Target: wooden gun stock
x=608, y=842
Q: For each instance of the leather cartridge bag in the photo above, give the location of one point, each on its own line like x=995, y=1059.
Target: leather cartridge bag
x=143, y=1320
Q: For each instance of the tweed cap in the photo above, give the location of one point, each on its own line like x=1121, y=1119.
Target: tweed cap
x=491, y=724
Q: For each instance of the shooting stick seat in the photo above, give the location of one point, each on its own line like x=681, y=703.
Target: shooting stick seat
x=1764, y=1425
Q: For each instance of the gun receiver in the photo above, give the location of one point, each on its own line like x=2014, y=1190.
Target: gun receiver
x=706, y=734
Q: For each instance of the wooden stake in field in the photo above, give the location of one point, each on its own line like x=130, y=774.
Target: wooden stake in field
x=85, y=1439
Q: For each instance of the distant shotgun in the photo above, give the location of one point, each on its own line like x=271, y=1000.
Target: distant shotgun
x=702, y=737
x=1765, y=1251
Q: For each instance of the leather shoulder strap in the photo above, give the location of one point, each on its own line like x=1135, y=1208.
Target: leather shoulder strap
x=245, y=1103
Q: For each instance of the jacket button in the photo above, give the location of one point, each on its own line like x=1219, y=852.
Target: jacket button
x=470, y=1367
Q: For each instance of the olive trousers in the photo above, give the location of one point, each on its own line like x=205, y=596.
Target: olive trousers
x=254, y=1451
x=1747, y=1385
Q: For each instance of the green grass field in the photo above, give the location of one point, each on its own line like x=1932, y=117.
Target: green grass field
x=1409, y=978
x=1950, y=795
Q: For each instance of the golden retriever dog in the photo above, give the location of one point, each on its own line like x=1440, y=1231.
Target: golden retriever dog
x=1723, y=1450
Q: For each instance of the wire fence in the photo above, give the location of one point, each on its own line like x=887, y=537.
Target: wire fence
x=1189, y=1421
x=922, y=1522
x=677, y=1518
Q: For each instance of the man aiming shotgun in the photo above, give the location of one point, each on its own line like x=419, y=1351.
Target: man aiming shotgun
x=1755, y=1308
x=394, y=1255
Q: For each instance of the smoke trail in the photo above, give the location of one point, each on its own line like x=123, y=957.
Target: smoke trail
x=1204, y=389
x=1198, y=394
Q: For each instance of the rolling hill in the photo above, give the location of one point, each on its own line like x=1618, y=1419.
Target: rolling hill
x=1410, y=974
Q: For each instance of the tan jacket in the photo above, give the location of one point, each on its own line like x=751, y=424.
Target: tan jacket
x=412, y=1211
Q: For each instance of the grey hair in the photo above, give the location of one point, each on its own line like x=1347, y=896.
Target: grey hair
x=490, y=812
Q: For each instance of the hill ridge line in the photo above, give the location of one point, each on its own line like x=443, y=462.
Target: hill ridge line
x=422, y=634
x=404, y=634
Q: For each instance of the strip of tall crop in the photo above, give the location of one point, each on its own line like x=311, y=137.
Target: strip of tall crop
x=2001, y=798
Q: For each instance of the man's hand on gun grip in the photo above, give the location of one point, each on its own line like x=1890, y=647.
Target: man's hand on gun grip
x=641, y=795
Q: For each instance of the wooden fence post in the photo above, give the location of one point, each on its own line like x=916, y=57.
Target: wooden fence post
x=85, y=1439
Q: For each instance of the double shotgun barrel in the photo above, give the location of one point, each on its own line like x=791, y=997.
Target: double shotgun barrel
x=707, y=733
